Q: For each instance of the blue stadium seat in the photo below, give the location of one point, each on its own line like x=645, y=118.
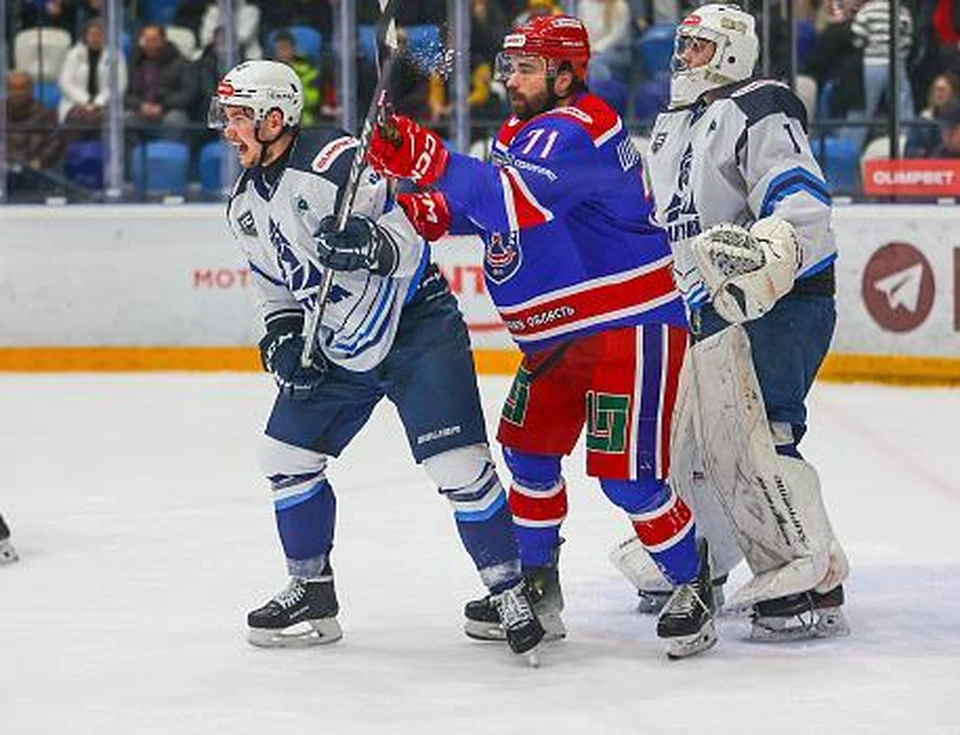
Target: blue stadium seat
x=160, y=11
x=160, y=167
x=840, y=160
x=651, y=98
x=83, y=164
x=806, y=35
x=47, y=93
x=308, y=40
x=211, y=165
x=655, y=47
x=614, y=93
x=367, y=43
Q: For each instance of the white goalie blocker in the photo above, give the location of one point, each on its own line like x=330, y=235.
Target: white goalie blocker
x=745, y=496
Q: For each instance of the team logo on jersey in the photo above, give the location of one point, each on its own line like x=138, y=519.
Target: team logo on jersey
x=246, y=223
x=301, y=278
x=503, y=256
x=681, y=217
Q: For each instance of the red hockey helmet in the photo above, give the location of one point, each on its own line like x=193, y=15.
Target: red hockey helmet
x=556, y=38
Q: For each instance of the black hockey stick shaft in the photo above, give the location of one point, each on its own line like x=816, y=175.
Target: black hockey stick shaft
x=349, y=192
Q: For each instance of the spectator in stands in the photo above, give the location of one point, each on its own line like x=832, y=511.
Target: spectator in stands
x=33, y=141
x=247, y=21
x=949, y=132
x=412, y=89
x=871, y=29
x=317, y=14
x=924, y=139
x=49, y=14
x=85, y=80
x=608, y=26
x=285, y=50
x=837, y=61
x=209, y=69
x=161, y=88
x=538, y=7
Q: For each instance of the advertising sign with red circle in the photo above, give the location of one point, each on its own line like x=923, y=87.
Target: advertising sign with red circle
x=898, y=287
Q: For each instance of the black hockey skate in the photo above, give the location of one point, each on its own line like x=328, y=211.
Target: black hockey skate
x=521, y=627
x=686, y=621
x=8, y=554
x=800, y=617
x=543, y=585
x=304, y=614
x=651, y=602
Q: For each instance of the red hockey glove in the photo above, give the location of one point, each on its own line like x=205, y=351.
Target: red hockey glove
x=404, y=150
x=428, y=212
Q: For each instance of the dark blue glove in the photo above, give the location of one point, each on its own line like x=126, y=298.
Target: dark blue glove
x=280, y=353
x=360, y=246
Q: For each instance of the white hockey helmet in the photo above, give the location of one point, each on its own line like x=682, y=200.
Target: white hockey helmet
x=737, y=47
x=261, y=86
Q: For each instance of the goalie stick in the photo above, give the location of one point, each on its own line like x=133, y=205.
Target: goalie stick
x=386, y=38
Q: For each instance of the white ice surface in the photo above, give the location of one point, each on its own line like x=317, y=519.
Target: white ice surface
x=146, y=533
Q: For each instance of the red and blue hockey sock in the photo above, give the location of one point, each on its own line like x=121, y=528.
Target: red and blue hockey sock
x=663, y=523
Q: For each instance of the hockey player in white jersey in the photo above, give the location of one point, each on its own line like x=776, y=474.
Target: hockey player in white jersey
x=748, y=215
x=390, y=328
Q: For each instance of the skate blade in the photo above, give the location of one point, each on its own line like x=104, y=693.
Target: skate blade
x=827, y=622
x=8, y=554
x=553, y=628
x=483, y=631
x=691, y=645
x=303, y=635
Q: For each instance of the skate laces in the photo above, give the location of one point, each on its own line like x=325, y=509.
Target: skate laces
x=293, y=593
x=514, y=607
x=684, y=601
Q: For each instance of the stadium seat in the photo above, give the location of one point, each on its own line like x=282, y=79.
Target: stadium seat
x=159, y=11
x=651, y=98
x=83, y=164
x=185, y=40
x=806, y=39
x=308, y=40
x=840, y=160
x=211, y=166
x=614, y=93
x=655, y=47
x=160, y=167
x=48, y=93
x=40, y=52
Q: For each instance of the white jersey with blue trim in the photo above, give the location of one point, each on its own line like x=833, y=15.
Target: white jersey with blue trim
x=742, y=157
x=273, y=213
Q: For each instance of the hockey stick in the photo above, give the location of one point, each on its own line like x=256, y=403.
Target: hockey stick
x=387, y=38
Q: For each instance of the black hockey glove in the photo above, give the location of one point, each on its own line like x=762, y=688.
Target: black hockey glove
x=280, y=354
x=361, y=246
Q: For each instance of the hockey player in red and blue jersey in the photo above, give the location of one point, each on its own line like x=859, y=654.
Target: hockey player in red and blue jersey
x=582, y=278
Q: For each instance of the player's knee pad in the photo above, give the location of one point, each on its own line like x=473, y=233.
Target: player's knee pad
x=636, y=496
x=468, y=478
x=532, y=470
x=294, y=473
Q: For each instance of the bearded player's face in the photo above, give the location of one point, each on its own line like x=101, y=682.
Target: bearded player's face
x=527, y=86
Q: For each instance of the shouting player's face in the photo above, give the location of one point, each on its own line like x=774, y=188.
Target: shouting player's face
x=241, y=132
x=527, y=86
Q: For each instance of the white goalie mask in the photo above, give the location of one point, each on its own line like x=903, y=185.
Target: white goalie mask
x=261, y=86
x=734, y=58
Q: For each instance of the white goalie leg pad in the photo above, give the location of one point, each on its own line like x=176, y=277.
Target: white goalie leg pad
x=773, y=502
